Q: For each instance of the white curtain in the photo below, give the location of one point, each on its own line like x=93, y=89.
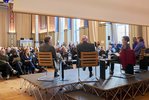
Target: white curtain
x=145, y=35
x=3, y=26
x=93, y=31
x=23, y=25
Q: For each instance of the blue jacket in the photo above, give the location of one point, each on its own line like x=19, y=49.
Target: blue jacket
x=138, y=48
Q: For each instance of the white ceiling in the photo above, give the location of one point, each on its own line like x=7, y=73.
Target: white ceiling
x=124, y=11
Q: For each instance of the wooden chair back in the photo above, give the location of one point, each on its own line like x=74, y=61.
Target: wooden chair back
x=45, y=59
x=89, y=59
x=142, y=53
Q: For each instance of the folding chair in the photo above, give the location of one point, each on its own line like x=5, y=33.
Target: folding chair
x=45, y=59
x=142, y=60
x=88, y=59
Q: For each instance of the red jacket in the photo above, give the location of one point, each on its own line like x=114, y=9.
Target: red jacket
x=127, y=56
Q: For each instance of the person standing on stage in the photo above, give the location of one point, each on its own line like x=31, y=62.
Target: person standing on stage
x=47, y=47
x=85, y=47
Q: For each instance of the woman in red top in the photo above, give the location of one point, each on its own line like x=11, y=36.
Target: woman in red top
x=127, y=56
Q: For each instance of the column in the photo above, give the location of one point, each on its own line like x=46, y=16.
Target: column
x=36, y=31
x=73, y=30
x=56, y=29
x=108, y=33
x=86, y=30
x=61, y=30
x=69, y=31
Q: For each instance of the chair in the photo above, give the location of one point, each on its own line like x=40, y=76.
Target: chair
x=88, y=59
x=142, y=53
x=45, y=59
x=143, y=60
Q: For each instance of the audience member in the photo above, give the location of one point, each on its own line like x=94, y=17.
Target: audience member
x=140, y=45
x=134, y=42
x=15, y=62
x=26, y=57
x=5, y=67
x=102, y=52
x=97, y=46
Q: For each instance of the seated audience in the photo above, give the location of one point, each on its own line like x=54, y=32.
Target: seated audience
x=117, y=47
x=142, y=62
x=5, y=67
x=102, y=52
x=27, y=60
x=110, y=50
x=97, y=46
x=15, y=61
x=134, y=42
x=140, y=45
x=64, y=52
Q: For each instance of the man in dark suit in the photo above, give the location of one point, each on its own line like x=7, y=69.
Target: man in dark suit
x=47, y=47
x=85, y=47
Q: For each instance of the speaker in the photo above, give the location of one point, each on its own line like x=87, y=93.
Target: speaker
x=21, y=38
x=108, y=37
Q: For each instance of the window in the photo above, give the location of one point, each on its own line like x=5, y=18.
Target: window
x=122, y=30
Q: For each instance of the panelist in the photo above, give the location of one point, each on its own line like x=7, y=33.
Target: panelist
x=47, y=47
x=85, y=47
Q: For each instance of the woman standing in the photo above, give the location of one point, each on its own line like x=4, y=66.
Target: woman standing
x=127, y=56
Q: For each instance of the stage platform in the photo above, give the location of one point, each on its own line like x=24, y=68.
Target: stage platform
x=116, y=87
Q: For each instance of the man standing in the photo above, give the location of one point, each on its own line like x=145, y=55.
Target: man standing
x=47, y=47
x=85, y=47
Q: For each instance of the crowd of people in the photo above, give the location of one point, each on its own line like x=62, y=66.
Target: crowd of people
x=24, y=60
x=18, y=61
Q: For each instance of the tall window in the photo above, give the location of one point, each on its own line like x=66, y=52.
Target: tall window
x=77, y=30
x=122, y=30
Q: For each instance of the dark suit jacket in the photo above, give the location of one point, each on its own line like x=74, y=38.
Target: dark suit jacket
x=45, y=47
x=85, y=47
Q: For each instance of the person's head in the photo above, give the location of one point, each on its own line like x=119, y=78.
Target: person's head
x=48, y=39
x=102, y=48
x=27, y=51
x=3, y=52
x=84, y=38
x=98, y=43
x=64, y=44
x=125, y=40
x=110, y=46
x=14, y=52
x=140, y=39
x=134, y=39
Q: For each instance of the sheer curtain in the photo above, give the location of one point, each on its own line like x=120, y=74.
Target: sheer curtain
x=3, y=26
x=93, y=31
x=145, y=35
x=134, y=31
x=23, y=25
